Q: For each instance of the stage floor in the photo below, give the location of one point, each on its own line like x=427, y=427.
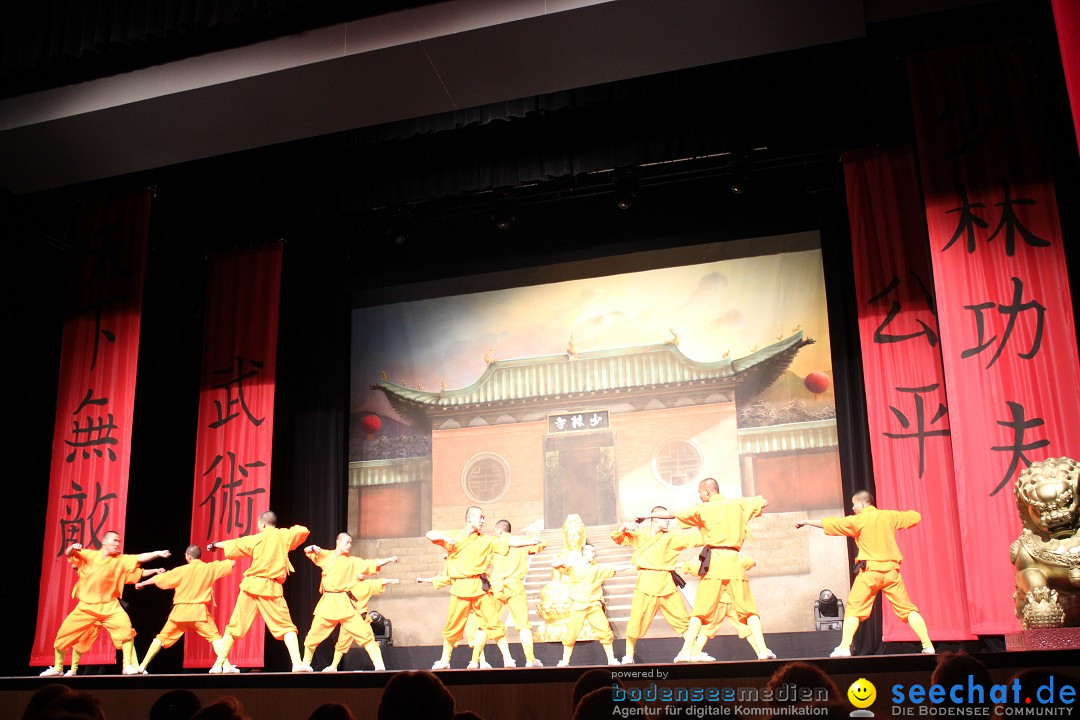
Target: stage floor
x=505, y=693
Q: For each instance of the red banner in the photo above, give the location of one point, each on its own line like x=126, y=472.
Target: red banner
x=91, y=453
x=1004, y=308
x=236, y=423
x=905, y=387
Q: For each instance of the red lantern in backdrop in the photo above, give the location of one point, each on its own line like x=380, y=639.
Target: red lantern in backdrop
x=370, y=424
x=817, y=382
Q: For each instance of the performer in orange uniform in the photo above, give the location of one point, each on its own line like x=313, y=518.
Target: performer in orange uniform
x=507, y=578
x=586, y=580
x=468, y=554
x=339, y=604
x=191, y=603
x=874, y=532
x=260, y=590
x=723, y=525
x=363, y=591
x=102, y=576
x=656, y=555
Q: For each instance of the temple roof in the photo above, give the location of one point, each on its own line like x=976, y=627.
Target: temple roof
x=553, y=376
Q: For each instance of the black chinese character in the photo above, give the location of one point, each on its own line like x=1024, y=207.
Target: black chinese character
x=881, y=337
x=97, y=433
x=1019, y=425
x=225, y=411
x=1012, y=310
x=229, y=515
x=73, y=525
x=920, y=422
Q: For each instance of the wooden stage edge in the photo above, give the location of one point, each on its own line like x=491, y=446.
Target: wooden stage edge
x=517, y=693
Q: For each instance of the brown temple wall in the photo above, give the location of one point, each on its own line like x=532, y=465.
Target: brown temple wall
x=518, y=444
x=389, y=511
x=806, y=481
x=637, y=436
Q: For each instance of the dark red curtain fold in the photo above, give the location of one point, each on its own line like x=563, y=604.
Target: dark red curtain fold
x=236, y=423
x=1004, y=305
x=1067, y=20
x=91, y=452
x=905, y=386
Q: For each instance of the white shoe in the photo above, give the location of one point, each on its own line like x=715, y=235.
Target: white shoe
x=440, y=665
x=613, y=661
x=929, y=651
x=133, y=670
x=485, y=665
x=510, y=663
x=380, y=668
x=215, y=670
x=50, y=672
x=702, y=657
x=302, y=667
x=474, y=665
x=563, y=663
x=840, y=652
x=329, y=668
x=627, y=660
x=71, y=673
x=766, y=654
x=534, y=663
x=683, y=658
x=230, y=669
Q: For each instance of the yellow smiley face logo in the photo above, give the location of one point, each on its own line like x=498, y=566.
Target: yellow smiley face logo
x=862, y=693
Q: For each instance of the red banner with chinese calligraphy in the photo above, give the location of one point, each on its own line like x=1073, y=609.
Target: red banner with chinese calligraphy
x=91, y=453
x=1004, y=307
x=236, y=424
x=905, y=387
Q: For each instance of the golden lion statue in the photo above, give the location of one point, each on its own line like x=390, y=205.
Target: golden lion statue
x=1047, y=553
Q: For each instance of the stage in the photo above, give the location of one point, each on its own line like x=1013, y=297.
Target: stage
x=526, y=693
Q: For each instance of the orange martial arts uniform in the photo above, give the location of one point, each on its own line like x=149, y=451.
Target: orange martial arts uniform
x=192, y=599
x=507, y=578
x=339, y=604
x=467, y=559
x=361, y=632
x=874, y=532
x=98, y=590
x=260, y=590
x=586, y=581
x=722, y=522
x=655, y=557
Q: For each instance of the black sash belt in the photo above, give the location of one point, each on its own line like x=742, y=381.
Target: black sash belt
x=706, y=556
x=485, y=584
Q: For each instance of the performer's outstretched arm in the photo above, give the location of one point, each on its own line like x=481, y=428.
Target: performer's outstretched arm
x=148, y=556
x=811, y=523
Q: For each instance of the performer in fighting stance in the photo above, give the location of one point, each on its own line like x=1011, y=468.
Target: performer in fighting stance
x=102, y=576
x=586, y=580
x=191, y=603
x=874, y=532
x=260, y=590
x=656, y=556
x=507, y=577
x=341, y=588
x=723, y=576
x=468, y=554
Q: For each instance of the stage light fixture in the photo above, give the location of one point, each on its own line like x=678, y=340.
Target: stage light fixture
x=503, y=220
x=740, y=177
x=625, y=190
x=828, y=611
x=382, y=628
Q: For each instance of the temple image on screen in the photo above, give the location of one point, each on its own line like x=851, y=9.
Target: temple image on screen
x=601, y=397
